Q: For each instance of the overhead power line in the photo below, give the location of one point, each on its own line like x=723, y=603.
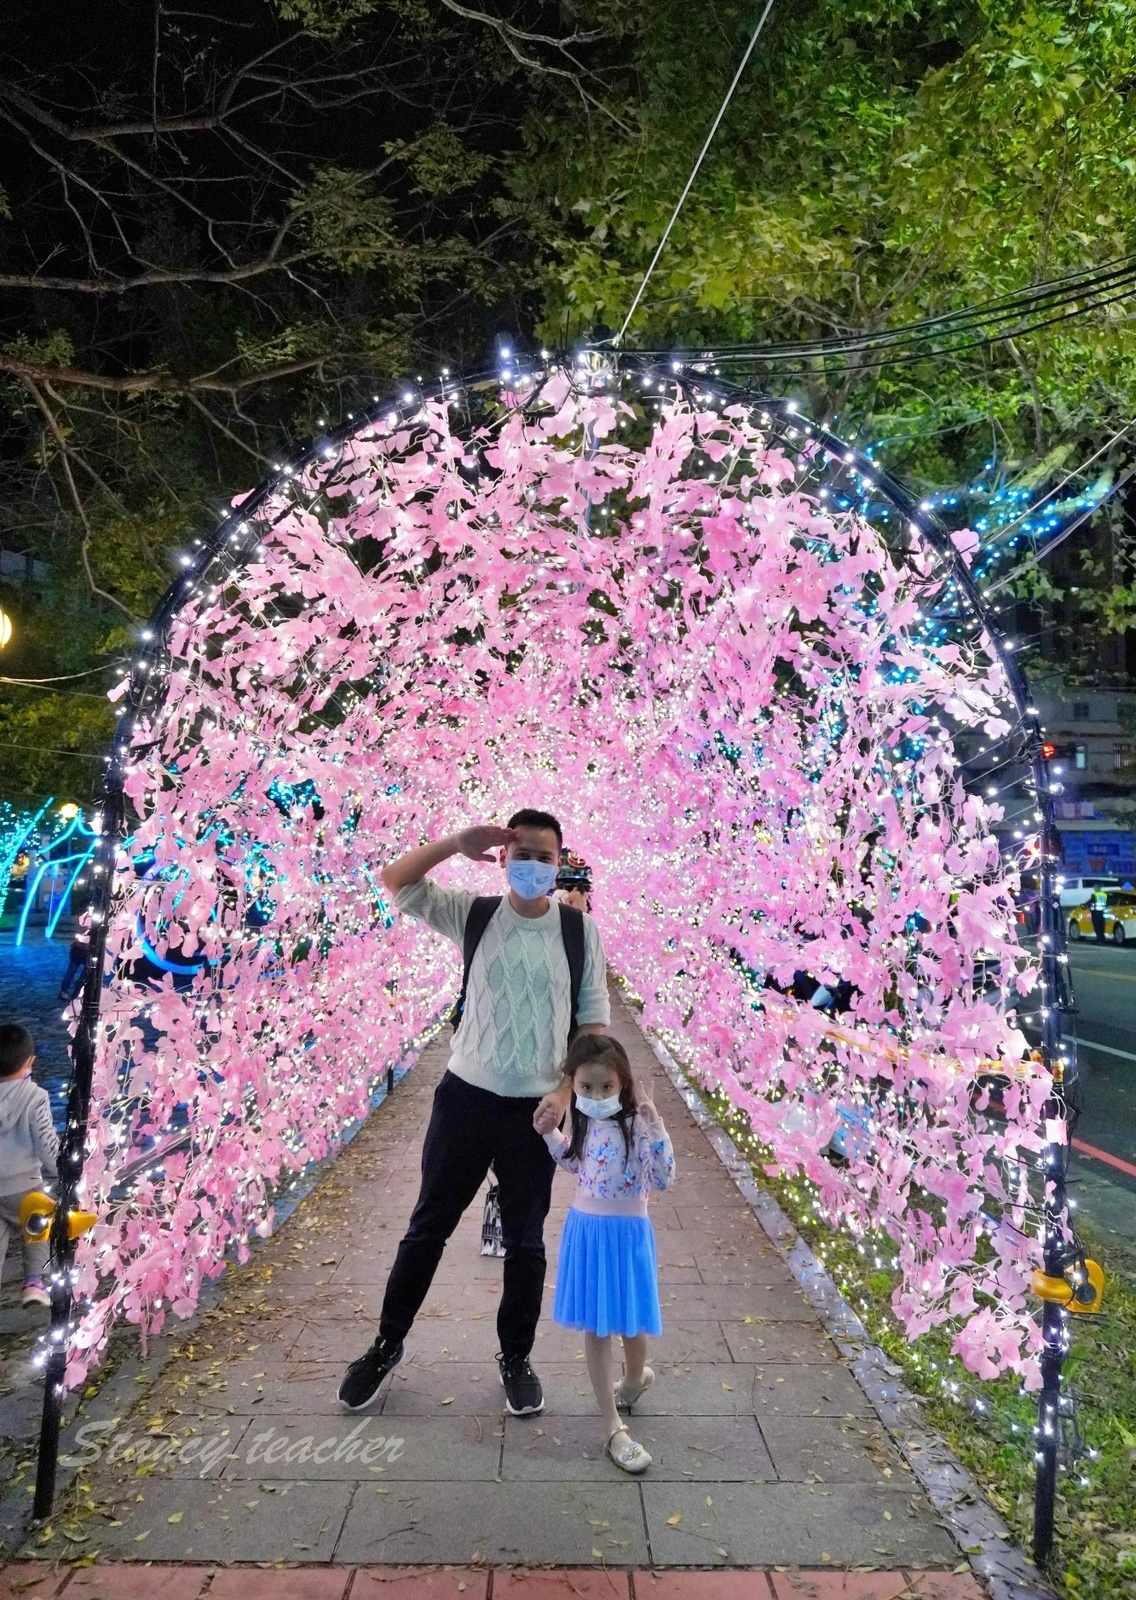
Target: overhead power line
x=947, y=334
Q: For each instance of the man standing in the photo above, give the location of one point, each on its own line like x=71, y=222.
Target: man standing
x=1097, y=909
x=529, y=978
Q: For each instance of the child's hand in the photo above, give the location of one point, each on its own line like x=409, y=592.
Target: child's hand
x=546, y=1118
x=645, y=1103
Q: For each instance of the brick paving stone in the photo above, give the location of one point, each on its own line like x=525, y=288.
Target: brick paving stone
x=419, y=1583
x=822, y=1585
x=143, y=1582
x=579, y=1583
x=32, y=1580
x=702, y=1586
x=305, y=1583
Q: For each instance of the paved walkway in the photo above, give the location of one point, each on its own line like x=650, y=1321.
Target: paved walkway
x=766, y=1453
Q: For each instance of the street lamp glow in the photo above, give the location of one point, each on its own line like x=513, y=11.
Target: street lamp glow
x=5, y=629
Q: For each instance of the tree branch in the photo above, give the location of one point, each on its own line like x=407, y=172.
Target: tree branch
x=77, y=500
x=159, y=277
x=32, y=372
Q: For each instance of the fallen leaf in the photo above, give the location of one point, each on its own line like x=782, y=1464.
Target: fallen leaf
x=449, y=1402
x=673, y=1522
x=138, y=1537
x=597, y=1553
x=887, y=1516
x=176, y=1517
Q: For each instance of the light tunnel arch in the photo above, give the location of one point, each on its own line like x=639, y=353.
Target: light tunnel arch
x=915, y=545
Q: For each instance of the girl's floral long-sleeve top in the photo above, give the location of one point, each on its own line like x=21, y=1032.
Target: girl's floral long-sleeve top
x=605, y=1172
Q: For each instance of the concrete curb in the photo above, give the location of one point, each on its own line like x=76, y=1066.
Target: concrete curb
x=976, y=1526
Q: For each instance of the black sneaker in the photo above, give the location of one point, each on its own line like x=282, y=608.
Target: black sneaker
x=362, y=1379
x=523, y=1393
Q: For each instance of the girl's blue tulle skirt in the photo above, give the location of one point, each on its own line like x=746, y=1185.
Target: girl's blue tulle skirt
x=607, y=1280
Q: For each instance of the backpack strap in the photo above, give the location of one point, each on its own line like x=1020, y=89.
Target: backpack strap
x=480, y=914
x=572, y=932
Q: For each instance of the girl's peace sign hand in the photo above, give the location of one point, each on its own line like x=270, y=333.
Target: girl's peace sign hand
x=645, y=1103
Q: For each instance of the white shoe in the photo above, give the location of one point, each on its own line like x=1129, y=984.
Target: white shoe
x=627, y=1393
x=35, y=1295
x=628, y=1455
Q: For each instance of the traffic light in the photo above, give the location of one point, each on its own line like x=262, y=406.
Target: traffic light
x=1048, y=751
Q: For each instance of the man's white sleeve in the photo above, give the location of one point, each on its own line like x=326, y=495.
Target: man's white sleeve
x=594, y=1005
x=444, y=910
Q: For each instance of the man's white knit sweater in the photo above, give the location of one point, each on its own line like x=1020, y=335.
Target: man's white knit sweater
x=513, y=1034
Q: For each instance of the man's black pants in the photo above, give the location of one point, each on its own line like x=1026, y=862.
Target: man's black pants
x=469, y=1128
x=1098, y=924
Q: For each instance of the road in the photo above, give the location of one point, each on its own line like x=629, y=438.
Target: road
x=1103, y=1166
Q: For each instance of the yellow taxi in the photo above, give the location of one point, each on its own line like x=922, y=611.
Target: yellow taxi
x=1119, y=918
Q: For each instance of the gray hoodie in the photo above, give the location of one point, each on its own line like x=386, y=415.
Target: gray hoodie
x=29, y=1143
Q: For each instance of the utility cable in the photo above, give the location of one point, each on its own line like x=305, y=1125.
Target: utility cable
x=1090, y=282
x=694, y=171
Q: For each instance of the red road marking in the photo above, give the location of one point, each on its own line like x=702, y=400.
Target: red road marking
x=1103, y=1155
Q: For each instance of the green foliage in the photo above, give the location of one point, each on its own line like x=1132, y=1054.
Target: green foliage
x=882, y=161
x=53, y=744
x=326, y=17
x=441, y=161
x=1095, y=1554
x=348, y=225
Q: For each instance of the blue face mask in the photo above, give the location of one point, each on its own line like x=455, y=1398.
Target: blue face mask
x=532, y=879
x=600, y=1109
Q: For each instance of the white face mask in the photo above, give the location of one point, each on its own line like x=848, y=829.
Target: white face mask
x=600, y=1109
x=532, y=879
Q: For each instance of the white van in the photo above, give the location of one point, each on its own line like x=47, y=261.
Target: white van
x=1079, y=891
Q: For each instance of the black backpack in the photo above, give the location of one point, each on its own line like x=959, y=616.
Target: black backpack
x=571, y=931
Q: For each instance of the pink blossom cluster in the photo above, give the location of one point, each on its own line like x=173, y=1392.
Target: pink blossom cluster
x=647, y=625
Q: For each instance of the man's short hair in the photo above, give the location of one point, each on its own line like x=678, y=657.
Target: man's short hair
x=528, y=818
x=16, y=1045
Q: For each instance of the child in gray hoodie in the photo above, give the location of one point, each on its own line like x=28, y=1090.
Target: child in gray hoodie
x=28, y=1149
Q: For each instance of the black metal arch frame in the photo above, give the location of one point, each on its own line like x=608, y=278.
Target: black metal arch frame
x=229, y=547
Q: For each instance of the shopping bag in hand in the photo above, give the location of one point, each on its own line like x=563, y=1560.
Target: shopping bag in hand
x=491, y=1241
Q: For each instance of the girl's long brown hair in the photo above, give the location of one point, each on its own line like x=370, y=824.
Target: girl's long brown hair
x=601, y=1047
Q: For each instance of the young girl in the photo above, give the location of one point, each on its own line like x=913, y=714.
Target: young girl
x=607, y=1281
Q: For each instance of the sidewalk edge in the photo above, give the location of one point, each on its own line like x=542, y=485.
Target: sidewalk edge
x=991, y=1549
